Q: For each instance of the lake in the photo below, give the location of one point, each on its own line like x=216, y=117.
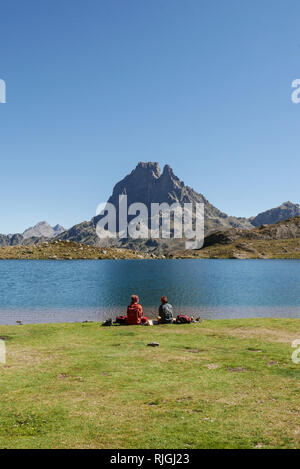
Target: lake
x=69, y=291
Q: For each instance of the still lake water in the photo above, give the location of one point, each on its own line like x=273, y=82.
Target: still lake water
x=63, y=291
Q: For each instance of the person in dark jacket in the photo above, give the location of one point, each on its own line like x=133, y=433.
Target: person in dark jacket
x=165, y=312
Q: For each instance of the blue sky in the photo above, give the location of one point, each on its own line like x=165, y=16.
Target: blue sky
x=94, y=86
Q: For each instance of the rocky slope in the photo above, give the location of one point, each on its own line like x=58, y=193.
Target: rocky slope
x=287, y=229
x=283, y=212
x=281, y=240
x=66, y=250
x=18, y=239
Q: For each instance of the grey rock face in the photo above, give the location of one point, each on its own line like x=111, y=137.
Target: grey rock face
x=84, y=232
x=274, y=215
x=58, y=229
x=40, y=232
x=286, y=229
x=148, y=185
x=43, y=229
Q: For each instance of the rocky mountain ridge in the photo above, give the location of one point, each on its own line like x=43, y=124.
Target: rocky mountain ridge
x=148, y=184
x=283, y=212
x=42, y=231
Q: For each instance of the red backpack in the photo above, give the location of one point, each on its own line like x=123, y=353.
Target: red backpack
x=183, y=319
x=121, y=320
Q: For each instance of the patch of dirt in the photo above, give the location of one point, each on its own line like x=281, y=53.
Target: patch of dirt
x=28, y=356
x=194, y=350
x=212, y=366
x=238, y=369
x=184, y=398
x=271, y=335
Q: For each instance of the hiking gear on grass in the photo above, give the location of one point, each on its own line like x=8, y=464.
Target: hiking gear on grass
x=121, y=320
x=183, y=319
x=108, y=322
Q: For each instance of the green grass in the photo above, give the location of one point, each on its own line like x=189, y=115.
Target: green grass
x=219, y=384
x=249, y=249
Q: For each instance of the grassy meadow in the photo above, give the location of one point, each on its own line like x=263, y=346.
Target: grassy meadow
x=217, y=384
x=249, y=249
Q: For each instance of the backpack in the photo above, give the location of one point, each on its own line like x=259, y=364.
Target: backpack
x=121, y=320
x=108, y=322
x=183, y=319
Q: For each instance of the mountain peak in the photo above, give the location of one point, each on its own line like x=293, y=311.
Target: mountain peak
x=289, y=204
x=42, y=229
x=283, y=212
x=146, y=184
x=168, y=170
x=149, y=166
x=58, y=229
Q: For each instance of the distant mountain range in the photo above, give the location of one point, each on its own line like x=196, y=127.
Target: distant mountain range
x=32, y=235
x=147, y=184
x=43, y=229
x=274, y=215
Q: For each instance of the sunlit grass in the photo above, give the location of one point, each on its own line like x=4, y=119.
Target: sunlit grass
x=227, y=383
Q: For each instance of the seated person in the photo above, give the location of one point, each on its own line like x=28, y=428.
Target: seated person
x=165, y=312
x=134, y=311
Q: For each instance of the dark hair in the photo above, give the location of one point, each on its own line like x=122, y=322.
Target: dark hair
x=164, y=299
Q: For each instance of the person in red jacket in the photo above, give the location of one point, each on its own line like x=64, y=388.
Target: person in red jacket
x=134, y=311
